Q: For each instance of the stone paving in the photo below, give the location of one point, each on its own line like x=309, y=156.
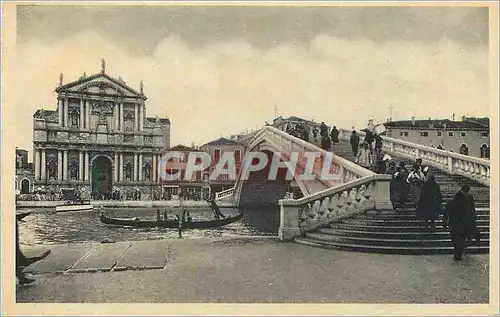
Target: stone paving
x=248, y=270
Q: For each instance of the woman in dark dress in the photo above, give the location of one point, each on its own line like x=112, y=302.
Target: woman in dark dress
x=429, y=203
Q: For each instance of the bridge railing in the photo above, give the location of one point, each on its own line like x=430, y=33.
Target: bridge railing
x=298, y=216
x=289, y=143
x=224, y=194
x=450, y=162
x=285, y=142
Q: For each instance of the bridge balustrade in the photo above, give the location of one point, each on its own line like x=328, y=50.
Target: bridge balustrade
x=453, y=163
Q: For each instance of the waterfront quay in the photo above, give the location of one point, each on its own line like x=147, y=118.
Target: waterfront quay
x=247, y=270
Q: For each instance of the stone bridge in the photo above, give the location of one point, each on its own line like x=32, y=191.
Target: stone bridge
x=355, y=191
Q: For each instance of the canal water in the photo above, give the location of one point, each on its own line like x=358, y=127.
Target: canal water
x=48, y=227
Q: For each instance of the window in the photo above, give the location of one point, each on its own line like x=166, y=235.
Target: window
x=404, y=133
x=463, y=134
x=424, y=133
x=450, y=133
x=216, y=155
x=464, y=149
x=485, y=151
x=439, y=133
x=484, y=134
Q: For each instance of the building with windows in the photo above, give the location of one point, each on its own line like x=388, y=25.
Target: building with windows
x=99, y=139
x=216, y=149
x=471, y=136
x=25, y=178
x=195, y=186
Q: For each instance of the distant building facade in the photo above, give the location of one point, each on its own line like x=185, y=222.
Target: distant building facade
x=99, y=139
x=195, y=186
x=216, y=149
x=471, y=136
x=25, y=178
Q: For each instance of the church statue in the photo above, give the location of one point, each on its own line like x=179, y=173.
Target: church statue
x=74, y=170
x=103, y=66
x=74, y=120
x=147, y=172
x=51, y=169
x=60, y=79
x=128, y=172
x=142, y=87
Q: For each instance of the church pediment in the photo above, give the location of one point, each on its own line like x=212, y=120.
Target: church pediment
x=100, y=84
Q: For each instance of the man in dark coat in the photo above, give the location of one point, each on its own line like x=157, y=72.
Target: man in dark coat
x=460, y=217
x=354, y=143
x=323, y=129
x=429, y=203
x=334, y=135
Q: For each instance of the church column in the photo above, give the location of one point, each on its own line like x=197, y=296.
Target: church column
x=140, y=167
x=82, y=116
x=43, y=166
x=135, y=168
x=87, y=169
x=66, y=112
x=121, y=116
x=159, y=167
x=141, y=116
x=121, y=167
x=36, y=158
x=65, y=165
x=59, y=165
x=116, y=165
x=136, y=119
x=87, y=113
x=80, y=167
x=61, y=112
x=153, y=168
x=117, y=116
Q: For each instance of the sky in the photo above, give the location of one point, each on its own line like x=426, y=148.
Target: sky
x=215, y=71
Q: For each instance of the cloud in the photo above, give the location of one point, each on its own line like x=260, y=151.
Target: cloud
x=222, y=89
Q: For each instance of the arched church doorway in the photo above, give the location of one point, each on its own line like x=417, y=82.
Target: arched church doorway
x=25, y=186
x=102, y=185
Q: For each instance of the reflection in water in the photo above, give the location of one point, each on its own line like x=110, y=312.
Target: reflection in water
x=48, y=227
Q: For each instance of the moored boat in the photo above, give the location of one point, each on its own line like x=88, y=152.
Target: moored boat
x=75, y=206
x=73, y=203
x=136, y=222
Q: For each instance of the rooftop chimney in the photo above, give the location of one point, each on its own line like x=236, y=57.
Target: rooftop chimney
x=413, y=121
x=453, y=116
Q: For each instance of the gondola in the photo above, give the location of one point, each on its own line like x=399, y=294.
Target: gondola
x=73, y=203
x=137, y=223
x=22, y=215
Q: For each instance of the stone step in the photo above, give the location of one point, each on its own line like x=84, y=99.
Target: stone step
x=436, y=241
x=402, y=222
x=416, y=235
x=387, y=249
x=410, y=217
x=361, y=227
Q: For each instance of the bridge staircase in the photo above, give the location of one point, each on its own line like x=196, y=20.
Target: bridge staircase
x=400, y=232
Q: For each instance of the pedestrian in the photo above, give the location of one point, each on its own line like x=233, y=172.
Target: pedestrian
x=315, y=134
x=334, y=135
x=354, y=143
x=323, y=129
x=378, y=146
x=460, y=218
x=382, y=164
x=364, y=157
x=326, y=144
x=401, y=187
x=180, y=214
x=391, y=170
x=416, y=180
x=429, y=203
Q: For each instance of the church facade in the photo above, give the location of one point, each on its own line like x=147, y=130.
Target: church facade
x=99, y=140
